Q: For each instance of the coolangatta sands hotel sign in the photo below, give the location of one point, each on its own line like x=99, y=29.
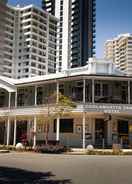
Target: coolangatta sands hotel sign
x=108, y=108
x=103, y=112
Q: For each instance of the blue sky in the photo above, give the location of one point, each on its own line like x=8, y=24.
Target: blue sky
x=113, y=17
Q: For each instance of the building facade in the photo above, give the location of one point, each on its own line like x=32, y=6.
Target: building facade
x=49, y=5
x=103, y=114
x=3, y=9
x=29, y=42
x=76, y=31
x=120, y=51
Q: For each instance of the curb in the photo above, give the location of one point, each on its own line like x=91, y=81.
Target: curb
x=4, y=151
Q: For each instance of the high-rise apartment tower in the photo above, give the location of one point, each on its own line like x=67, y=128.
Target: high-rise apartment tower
x=76, y=30
x=30, y=41
x=119, y=50
x=49, y=5
x=3, y=10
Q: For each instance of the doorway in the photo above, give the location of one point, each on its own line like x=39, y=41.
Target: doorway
x=100, y=133
x=123, y=131
x=21, y=131
x=2, y=132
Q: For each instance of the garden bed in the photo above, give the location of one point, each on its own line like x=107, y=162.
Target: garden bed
x=109, y=152
x=57, y=149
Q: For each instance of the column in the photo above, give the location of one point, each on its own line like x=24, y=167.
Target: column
x=15, y=127
x=58, y=129
x=8, y=132
x=58, y=118
x=93, y=91
x=84, y=91
x=84, y=114
x=90, y=125
x=8, y=122
x=93, y=130
x=35, y=100
x=84, y=124
x=9, y=100
x=129, y=93
x=109, y=132
x=34, y=131
x=57, y=92
x=16, y=99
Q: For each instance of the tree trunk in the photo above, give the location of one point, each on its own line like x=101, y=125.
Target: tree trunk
x=46, y=133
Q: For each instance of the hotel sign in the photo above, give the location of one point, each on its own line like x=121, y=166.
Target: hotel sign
x=108, y=108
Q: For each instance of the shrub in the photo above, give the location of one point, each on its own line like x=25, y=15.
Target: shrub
x=106, y=152
x=127, y=153
x=9, y=147
x=50, y=149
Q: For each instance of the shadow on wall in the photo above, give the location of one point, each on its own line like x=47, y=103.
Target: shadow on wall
x=18, y=176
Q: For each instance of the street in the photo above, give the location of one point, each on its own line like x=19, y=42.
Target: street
x=32, y=168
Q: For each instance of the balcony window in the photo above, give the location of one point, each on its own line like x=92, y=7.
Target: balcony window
x=97, y=89
x=44, y=93
x=26, y=96
x=105, y=90
x=73, y=89
x=111, y=92
x=88, y=91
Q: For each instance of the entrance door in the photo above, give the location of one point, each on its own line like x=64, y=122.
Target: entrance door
x=2, y=132
x=21, y=131
x=123, y=132
x=100, y=133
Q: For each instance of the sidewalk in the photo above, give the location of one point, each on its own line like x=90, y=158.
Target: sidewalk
x=80, y=151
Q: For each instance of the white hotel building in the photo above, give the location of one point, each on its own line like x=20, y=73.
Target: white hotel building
x=102, y=117
x=29, y=42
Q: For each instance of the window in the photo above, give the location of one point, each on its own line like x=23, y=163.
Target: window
x=66, y=126
x=39, y=95
x=105, y=90
x=33, y=64
x=25, y=70
x=61, y=13
x=97, y=90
